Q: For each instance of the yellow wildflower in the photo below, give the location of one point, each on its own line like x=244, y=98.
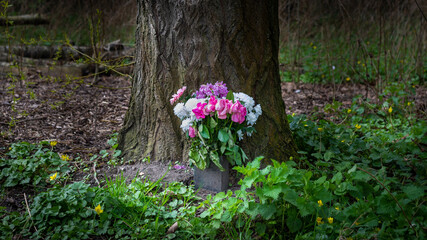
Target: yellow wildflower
x=323, y=75
x=98, y=209
x=311, y=44
x=409, y=103
x=291, y=158
x=363, y=65
x=293, y=114
x=357, y=224
x=65, y=157
x=320, y=203
x=330, y=220
x=349, y=111
x=337, y=208
x=314, y=47
x=319, y=220
x=390, y=109
x=357, y=126
x=320, y=129
x=305, y=125
x=53, y=177
x=358, y=62
x=10, y=148
x=342, y=141
x=53, y=143
x=347, y=79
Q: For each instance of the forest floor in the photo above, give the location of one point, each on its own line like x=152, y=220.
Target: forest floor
x=82, y=118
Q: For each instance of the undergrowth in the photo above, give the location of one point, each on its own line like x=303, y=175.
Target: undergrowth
x=360, y=175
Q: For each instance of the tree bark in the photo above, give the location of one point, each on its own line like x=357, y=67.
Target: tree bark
x=180, y=42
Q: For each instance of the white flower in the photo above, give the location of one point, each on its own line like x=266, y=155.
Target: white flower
x=185, y=125
x=240, y=134
x=258, y=110
x=251, y=118
x=180, y=111
x=247, y=101
x=249, y=133
x=192, y=103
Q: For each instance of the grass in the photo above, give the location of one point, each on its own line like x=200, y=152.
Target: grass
x=360, y=45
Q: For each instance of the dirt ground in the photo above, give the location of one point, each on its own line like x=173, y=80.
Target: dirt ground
x=82, y=118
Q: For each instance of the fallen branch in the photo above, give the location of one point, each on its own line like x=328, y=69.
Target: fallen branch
x=29, y=19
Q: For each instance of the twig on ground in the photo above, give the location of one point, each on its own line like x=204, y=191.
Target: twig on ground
x=94, y=174
x=29, y=212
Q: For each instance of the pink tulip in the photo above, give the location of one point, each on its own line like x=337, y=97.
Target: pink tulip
x=211, y=105
x=222, y=107
x=238, y=112
x=199, y=111
x=176, y=96
x=192, y=132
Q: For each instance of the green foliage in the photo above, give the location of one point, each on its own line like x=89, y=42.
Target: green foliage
x=139, y=210
x=112, y=156
x=361, y=175
x=30, y=164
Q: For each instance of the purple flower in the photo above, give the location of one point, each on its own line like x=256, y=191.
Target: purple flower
x=219, y=89
x=179, y=167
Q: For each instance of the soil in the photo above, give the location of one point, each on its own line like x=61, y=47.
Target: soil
x=82, y=118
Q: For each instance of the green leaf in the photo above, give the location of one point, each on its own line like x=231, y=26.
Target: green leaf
x=212, y=123
x=215, y=159
x=230, y=96
x=272, y=191
x=267, y=210
x=223, y=135
x=413, y=192
x=327, y=156
x=226, y=217
x=290, y=195
x=337, y=178
x=222, y=149
x=204, y=132
x=293, y=222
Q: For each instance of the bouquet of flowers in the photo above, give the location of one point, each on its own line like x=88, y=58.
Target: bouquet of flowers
x=215, y=119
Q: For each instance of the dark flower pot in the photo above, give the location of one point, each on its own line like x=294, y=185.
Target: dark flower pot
x=212, y=178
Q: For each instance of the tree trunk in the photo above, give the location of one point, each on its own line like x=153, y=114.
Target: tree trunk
x=180, y=42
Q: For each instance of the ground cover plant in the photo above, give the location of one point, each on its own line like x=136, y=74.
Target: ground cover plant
x=360, y=174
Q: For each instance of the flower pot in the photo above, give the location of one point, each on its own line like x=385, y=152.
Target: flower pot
x=212, y=178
